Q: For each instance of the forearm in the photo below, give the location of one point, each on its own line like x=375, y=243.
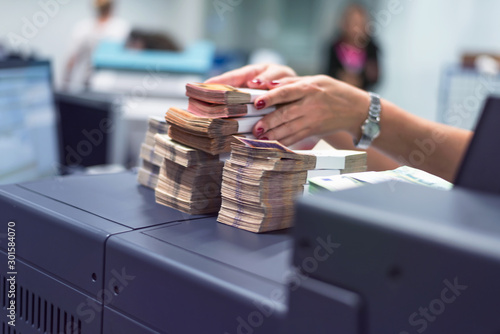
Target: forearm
x=320, y=106
x=430, y=146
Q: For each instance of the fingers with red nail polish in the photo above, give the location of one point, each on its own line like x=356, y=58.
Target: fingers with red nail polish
x=255, y=83
x=258, y=129
x=260, y=104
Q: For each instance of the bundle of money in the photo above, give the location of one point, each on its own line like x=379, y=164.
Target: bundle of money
x=343, y=160
x=222, y=94
x=147, y=153
x=209, y=145
x=209, y=127
x=260, y=182
x=189, y=179
x=147, y=174
x=213, y=110
x=181, y=154
x=215, y=113
x=335, y=162
x=212, y=135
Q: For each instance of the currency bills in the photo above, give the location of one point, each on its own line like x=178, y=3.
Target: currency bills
x=189, y=179
x=260, y=182
x=213, y=110
x=222, y=94
x=147, y=174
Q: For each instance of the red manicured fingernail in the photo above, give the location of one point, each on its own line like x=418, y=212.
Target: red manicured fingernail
x=261, y=104
x=264, y=138
x=260, y=132
x=257, y=81
x=275, y=82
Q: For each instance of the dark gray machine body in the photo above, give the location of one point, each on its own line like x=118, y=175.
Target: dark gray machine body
x=419, y=260
x=95, y=254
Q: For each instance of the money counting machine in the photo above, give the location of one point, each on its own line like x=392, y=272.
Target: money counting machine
x=96, y=254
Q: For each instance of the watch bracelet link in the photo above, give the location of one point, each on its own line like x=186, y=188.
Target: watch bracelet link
x=373, y=119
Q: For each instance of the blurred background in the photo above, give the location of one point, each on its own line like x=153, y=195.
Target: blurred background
x=120, y=61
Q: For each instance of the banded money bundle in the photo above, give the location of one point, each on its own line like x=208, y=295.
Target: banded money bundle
x=215, y=113
x=336, y=162
x=147, y=174
x=260, y=182
x=189, y=179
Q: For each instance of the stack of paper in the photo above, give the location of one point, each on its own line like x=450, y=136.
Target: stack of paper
x=151, y=162
x=189, y=179
x=260, y=182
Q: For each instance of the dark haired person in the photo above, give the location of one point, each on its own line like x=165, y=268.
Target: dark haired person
x=353, y=55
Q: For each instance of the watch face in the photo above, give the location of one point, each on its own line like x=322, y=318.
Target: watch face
x=371, y=130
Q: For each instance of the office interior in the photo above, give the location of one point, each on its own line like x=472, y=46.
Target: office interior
x=295, y=33
x=433, y=56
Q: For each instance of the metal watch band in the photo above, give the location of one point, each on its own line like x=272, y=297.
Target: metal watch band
x=373, y=119
x=364, y=142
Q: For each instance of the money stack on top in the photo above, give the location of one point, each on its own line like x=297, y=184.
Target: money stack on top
x=151, y=162
x=215, y=113
x=189, y=179
x=260, y=182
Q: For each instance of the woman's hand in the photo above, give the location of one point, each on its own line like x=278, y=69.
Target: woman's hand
x=320, y=105
x=259, y=76
x=307, y=106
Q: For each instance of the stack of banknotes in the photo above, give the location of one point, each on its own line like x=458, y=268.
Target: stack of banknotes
x=255, y=188
x=189, y=179
x=150, y=161
x=260, y=182
x=215, y=113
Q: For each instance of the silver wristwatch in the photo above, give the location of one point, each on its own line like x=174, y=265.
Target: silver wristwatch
x=370, y=128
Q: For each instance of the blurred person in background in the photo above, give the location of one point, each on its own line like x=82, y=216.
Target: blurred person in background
x=87, y=35
x=139, y=39
x=353, y=55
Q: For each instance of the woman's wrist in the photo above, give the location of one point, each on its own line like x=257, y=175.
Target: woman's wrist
x=359, y=113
